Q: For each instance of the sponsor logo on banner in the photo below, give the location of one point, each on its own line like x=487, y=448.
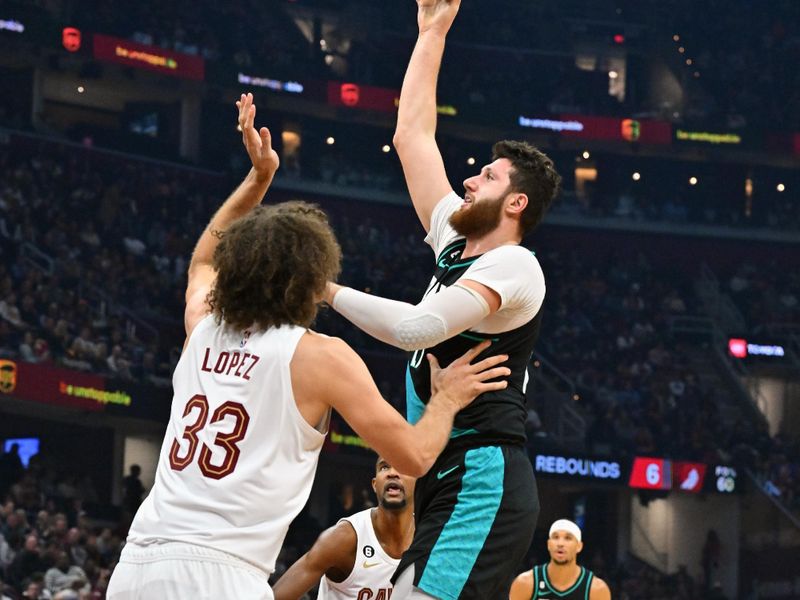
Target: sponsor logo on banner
x=350, y=94
x=8, y=376
x=71, y=38
x=631, y=129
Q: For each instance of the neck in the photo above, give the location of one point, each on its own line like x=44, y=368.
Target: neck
x=394, y=528
x=490, y=241
x=563, y=576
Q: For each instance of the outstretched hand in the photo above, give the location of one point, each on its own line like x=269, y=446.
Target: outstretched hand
x=463, y=381
x=258, y=143
x=436, y=15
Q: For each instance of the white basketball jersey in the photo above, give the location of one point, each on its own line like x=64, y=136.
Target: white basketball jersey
x=238, y=459
x=373, y=568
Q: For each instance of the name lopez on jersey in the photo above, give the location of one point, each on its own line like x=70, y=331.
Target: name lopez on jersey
x=226, y=362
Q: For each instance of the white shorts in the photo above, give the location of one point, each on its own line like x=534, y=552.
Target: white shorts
x=175, y=570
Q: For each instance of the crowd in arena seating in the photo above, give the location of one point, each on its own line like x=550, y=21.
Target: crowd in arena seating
x=57, y=543
x=50, y=548
x=118, y=237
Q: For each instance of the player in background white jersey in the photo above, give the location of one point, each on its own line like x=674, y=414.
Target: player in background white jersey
x=253, y=392
x=356, y=558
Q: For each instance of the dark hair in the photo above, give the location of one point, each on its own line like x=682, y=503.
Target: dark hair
x=534, y=175
x=272, y=266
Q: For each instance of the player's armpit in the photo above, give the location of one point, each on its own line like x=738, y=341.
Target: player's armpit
x=333, y=554
x=424, y=171
x=522, y=587
x=599, y=590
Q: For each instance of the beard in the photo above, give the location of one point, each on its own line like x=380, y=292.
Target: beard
x=393, y=504
x=480, y=218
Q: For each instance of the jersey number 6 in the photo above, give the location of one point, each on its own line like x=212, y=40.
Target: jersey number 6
x=227, y=441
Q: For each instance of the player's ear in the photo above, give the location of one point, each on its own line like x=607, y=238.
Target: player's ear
x=580, y=547
x=373, y=486
x=518, y=202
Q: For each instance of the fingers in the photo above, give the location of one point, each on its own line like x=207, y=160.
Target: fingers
x=493, y=373
x=250, y=116
x=489, y=362
x=473, y=352
x=247, y=111
x=266, y=137
x=491, y=386
x=433, y=362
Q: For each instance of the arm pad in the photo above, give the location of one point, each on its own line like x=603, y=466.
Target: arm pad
x=437, y=318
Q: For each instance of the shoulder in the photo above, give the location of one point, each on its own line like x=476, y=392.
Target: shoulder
x=327, y=353
x=334, y=550
x=340, y=537
x=522, y=587
x=520, y=256
x=599, y=590
x=514, y=269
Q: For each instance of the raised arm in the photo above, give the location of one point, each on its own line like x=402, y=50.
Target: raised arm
x=415, y=135
x=332, y=554
x=248, y=195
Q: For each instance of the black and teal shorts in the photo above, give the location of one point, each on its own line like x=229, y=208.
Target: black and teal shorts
x=475, y=512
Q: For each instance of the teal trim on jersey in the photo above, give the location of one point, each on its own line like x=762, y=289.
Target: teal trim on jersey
x=456, y=432
x=535, y=583
x=588, y=586
x=567, y=592
x=414, y=406
x=447, y=249
x=476, y=338
x=461, y=540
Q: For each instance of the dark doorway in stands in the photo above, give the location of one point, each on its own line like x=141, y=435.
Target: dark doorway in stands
x=74, y=462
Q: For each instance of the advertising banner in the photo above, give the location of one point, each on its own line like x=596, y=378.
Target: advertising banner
x=152, y=58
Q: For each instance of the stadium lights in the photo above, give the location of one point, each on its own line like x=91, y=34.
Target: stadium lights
x=613, y=74
x=636, y=176
x=697, y=74
x=692, y=180
x=81, y=89
x=471, y=161
x=689, y=61
x=386, y=148
x=586, y=155
x=330, y=140
x=681, y=49
x=781, y=187
x=676, y=38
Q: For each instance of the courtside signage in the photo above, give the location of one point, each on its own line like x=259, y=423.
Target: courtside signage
x=151, y=58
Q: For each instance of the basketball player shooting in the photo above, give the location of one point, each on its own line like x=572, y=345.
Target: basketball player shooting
x=477, y=507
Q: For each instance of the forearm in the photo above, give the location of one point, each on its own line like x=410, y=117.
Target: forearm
x=417, y=111
x=432, y=431
x=411, y=327
x=244, y=198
